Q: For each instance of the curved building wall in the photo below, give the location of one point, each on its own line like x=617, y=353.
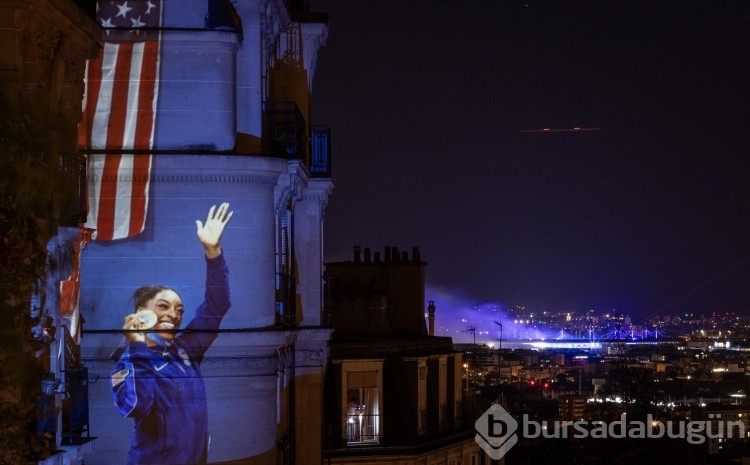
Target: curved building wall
x=183, y=188
x=245, y=368
x=196, y=104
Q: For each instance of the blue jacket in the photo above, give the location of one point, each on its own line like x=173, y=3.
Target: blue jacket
x=161, y=386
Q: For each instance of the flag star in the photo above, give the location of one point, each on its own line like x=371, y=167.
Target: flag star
x=150, y=7
x=107, y=22
x=124, y=9
x=137, y=22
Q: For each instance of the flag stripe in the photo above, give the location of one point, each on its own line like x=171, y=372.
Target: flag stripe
x=105, y=222
x=139, y=199
x=144, y=134
x=103, y=101
x=121, y=103
x=147, y=96
x=120, y=87
x=121, y=221
x=134, y=84
x=95, y=166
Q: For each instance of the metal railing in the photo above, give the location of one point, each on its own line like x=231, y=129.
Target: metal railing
x=362, y=429
x=285, y=136
x=286, y=311
x=284, y=130
x=320, y=148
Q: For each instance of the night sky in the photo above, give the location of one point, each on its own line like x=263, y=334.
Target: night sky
x=648, y=215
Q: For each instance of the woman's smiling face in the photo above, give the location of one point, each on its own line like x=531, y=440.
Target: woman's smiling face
x=169, y=309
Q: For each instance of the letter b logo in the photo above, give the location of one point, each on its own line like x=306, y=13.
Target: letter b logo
x=496, y=428
x=496, y=431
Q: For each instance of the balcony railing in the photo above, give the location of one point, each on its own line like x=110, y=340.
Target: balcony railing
x=286, y=312
x=362, y=429
x=320, y=148
x=284, y=130
x=285, y=136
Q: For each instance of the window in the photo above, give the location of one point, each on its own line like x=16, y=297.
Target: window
x=361, y=401
x=362, y=416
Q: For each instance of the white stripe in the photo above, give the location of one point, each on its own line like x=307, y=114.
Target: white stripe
x=85, y=100
x=104, y=101
x=148, y=184
x=123, y=197
x=94, y=181
x=157, y=79
x=131, y=112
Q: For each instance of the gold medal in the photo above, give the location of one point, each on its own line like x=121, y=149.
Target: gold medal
x=146, y=317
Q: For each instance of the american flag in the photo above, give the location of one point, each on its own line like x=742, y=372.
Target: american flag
x=122, y=87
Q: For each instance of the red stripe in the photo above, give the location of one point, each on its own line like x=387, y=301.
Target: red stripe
x=105, y=224
x=145, y=121
x=139, y=198
x=119, y=105
x=143, y=133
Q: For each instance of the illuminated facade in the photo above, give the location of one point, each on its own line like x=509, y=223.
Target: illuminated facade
x=228, y=120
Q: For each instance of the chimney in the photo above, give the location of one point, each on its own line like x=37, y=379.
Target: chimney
x=387, y=257
x=394, y=254
x=367, y=255
x=431, y=317
x=357, y=253
x=415, y=255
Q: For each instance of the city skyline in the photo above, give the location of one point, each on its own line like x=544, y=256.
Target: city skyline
x=428, y=104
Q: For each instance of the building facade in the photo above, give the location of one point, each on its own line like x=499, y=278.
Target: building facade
x=188, y=104
x=45, y=48
x=393, y=392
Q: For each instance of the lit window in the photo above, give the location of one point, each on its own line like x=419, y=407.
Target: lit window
x=363, y=416
x=363, y=406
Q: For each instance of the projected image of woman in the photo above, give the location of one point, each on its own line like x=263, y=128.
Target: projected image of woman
x=157, y=380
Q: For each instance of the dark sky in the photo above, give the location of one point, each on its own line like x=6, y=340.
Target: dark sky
x=651, y=213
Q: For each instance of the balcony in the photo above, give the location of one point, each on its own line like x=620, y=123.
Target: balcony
x=362, y=429
x=320, y=148
x=284, y=130
x=285, y=136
